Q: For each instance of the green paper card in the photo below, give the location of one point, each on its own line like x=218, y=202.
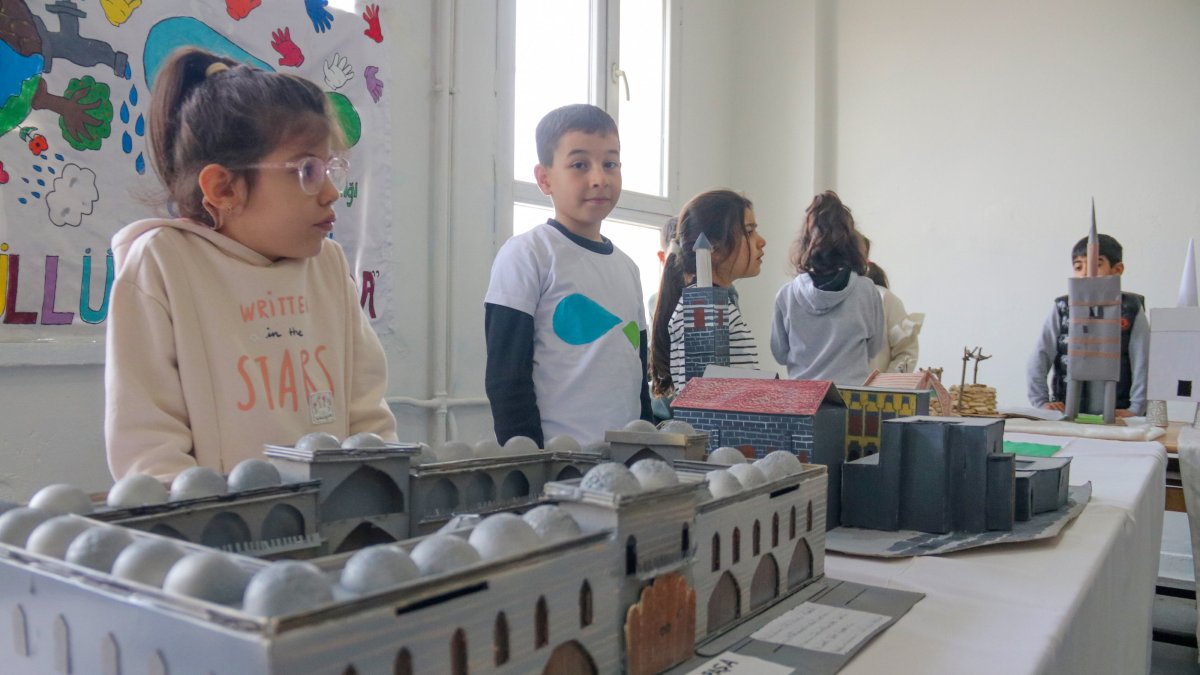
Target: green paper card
x=1031, y=449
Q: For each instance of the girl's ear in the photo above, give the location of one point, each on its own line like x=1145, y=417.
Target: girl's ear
x=222, y=188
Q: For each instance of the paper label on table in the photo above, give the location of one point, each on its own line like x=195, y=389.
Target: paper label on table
x=730, y=663
x=821, y=628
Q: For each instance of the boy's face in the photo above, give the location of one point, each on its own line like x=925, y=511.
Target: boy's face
x=1103, y=269
x=584, y=182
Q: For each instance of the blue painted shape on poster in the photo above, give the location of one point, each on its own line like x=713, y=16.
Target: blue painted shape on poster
x=58, y=157
x=579, y=320
x=22, y=200
x=125, y=113
x=184, y=31
x=36, y=195
x=126, y=142
x=133, y=95
x=139, y=127
x=37, y=168
x=140, y=164
x=41, y=182
x=51, y=169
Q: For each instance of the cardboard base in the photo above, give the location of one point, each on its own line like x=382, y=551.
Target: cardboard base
x=889, y=603
x=908, y=543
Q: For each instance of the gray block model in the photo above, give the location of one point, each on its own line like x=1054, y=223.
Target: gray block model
x=944, y=474
x=706, y=329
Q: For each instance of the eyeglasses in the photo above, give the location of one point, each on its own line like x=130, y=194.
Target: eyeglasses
x=312, y=172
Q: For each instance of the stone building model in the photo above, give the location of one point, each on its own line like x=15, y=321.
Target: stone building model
x=943, y=474
x=650, y=576
x=706, y=328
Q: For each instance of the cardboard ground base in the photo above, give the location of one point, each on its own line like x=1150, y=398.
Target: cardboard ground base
x=908, y=543
x=890, y=603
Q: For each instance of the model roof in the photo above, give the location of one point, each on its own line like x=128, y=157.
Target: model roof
x=763, y=397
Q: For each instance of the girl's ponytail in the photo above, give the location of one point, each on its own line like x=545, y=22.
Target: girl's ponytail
x=670, y=289
x=180, y=75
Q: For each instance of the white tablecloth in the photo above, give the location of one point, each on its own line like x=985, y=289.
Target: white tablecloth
x=1078, y=603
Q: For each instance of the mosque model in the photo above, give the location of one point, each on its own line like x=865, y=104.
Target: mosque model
x=611, y=567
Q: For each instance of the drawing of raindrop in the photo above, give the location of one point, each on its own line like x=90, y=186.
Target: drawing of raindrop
x=140, y=164
x=128, y=72
x=133, y=95
x=140, y=126
x=24, y=179
x=126, y=142
x=41, y=182
x=22, y=200
x=125, y=113
x=37, y=168
x=36, y=195
x=50, y=169
x=42, y=156
x=58, y=157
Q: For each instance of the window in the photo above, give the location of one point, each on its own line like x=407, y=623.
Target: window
x=737, y=545
x=1184, y=388
x=716, y=552
x=685, y=541
x=500, y=639
x=585, y=605
x=775, y=530
x=458, y=653
x=755, y=536
x=541, y=631
x=792, y=524
x=618, y=55
x=808, y=525
x=630, y=555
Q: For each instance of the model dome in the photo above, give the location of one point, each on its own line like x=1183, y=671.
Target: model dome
x=726, y=456
x=287, y=587
x=137, y=489
x=317, y=441
x=61, y=499
x=677, y=427
x=487, y=448
x=53, y=537
x=552, y=523
x=779, y=464
x=441, y=553
x=210, y=576
x=503, y=535
x=653, y=474
x=253, y=474
x=197, y=482
x=601, y=448
x=721, y=483
x=16, y=524
x=563, y=443
x=376, y=568
x=453, y=451
x=97, y=548
x=641, y=426
x=520, y=445
x=611, y=477
x=147, y=561
x=364, y=439
x=748, y=475
x=425, y=455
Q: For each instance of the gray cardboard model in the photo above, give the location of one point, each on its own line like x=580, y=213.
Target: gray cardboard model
x=706, y=328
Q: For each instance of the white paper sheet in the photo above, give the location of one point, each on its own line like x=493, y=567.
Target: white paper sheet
x=821, y=628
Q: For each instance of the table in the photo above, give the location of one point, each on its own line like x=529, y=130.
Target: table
x=1174, y=499
x=1078, y=603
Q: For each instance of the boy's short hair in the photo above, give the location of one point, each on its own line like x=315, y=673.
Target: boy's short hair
x=575, y=117
x=1109, y=248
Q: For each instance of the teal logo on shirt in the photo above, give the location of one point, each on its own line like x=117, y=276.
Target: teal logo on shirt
x=579, y=320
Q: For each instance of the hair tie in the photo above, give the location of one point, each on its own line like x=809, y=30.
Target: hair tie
x=214, y=68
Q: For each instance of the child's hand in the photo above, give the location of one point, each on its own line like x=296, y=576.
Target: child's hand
x=374, y=84
x=238, y=9
x=373, y=31
x=288, y=51
x=338, y=71
x=1124, y=412
x=1056, y=405
x=320, y=16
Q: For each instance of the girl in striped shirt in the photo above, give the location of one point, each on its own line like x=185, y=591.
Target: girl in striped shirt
x=726, y=219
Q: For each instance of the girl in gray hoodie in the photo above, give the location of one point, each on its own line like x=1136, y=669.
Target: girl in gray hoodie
x=829, y=319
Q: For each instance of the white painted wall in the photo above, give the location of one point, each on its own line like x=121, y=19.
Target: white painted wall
x=972, y=135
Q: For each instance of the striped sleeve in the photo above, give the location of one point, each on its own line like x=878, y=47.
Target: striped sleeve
x=743, y=352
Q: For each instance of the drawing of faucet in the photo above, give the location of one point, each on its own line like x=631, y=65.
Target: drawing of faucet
x=68, y=44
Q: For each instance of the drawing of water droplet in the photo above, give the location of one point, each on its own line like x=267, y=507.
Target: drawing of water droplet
x=128, y=71
x=41, y=182
x=37, y=168
x=133, y=95
x=36, y=195
x=23, y=200
x=140, y=164
x=58, y=157
x=51, y=169
x=126, y=142
x=125, y=113
x=24, y=179
x=140, y=126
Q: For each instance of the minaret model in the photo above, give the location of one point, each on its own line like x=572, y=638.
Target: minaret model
x=1174, y=371
x=705, y=327
x=1094, y=336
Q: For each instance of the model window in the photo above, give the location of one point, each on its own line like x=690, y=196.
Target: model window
x=737, y=545
x=630, y=555
x=458, y=653
x=685, y=541
x=1184, y=388
x=500, y=639
x=809, y=518
x=754, y=539
x=792, y=524
x=716, y=552
x=403, y=664
x=774, y=530
x=541, y=636
x=585, y=605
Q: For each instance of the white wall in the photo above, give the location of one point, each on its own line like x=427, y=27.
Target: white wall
x=972, y=136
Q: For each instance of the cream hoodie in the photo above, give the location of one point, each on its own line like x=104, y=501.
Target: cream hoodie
x=213, y=351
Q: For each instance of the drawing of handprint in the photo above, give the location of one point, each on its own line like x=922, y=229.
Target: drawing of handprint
x=289, y=53
x=321, y=18
x=117, y=11
x=374, y=84
x=338, y=71
x=371, y=16
x=238, y=9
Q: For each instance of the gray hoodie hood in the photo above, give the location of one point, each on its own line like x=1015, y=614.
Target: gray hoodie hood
x=816, y=301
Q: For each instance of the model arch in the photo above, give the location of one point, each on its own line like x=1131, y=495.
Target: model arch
x=800, y=568
x=644, y=453
x=725, y=603
x=569, y=658
x=764, y=587
x=442, y=497
x=403, y=665
x=365, y=492
x=481, y=489
x=568, y=473
x=366, y=534
x=282, y=521
x=225, y=530
x=515, y=485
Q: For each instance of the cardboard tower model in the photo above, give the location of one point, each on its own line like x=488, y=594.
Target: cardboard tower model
x=1175, y=343
x=1094, y=339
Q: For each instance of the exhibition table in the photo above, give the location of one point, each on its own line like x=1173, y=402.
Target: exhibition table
x=1076, y=603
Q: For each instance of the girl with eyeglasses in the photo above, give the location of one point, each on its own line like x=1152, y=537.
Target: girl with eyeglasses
x=236, y=323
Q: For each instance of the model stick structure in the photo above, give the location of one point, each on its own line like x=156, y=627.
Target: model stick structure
x=1175, y=343
x=1094, y=337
